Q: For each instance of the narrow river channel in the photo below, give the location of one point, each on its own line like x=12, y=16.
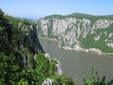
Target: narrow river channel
x=77, y=64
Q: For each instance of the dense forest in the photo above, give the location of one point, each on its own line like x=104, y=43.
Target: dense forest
x=22, y=60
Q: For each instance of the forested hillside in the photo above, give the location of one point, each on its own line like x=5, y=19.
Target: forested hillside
x=22, y=59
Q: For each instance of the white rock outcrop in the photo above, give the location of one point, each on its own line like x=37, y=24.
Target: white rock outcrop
x=47, y=82
x=58, y=67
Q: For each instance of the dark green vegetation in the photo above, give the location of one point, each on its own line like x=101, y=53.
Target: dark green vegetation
x=21, y=57
x=100, y=44
x=81, y=16
x=94, y=79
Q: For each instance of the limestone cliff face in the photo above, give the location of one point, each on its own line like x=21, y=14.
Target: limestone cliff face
x=27, y=45
x=29, y=38
x=73, y=33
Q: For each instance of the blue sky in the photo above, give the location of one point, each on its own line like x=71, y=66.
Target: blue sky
x=42, y=8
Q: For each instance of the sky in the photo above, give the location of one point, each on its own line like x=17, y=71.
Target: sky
x=41, y=8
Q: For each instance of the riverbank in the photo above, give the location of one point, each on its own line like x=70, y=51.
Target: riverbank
x=78, y=48
x=54, y=40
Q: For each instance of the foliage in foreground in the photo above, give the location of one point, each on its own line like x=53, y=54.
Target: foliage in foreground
x=94, y=79
x=61, y=80
x=11, y=72
x=21, y=67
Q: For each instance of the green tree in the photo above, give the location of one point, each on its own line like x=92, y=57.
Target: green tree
x=23, y=82
x=8, y=69
x=94, y=79
x=1, y=13
x=62, y=80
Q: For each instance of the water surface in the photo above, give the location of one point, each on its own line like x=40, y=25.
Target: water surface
x=78, y=64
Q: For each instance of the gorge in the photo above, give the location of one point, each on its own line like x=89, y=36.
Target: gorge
x=23, y=57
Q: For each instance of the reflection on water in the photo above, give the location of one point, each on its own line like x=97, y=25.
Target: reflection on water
x=78, y=64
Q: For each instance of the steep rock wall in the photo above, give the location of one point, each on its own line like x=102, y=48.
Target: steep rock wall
x=72, y=33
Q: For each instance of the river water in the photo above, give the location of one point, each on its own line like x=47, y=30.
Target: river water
x=77, y=64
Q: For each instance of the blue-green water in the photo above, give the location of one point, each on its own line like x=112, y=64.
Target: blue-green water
x=78, y=64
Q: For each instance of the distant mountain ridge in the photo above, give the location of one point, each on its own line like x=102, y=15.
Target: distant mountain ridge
x=29, y=20
x=77, y=13
x=81, y=16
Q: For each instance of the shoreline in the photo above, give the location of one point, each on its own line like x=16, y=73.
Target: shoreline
x=54, y=40
x=90, y=50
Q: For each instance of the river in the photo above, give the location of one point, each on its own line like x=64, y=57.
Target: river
x=77, y=64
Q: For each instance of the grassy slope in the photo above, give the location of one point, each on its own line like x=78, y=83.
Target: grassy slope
x=100, y=44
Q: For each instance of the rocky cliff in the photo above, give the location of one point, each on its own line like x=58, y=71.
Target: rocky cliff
x=76, y=32
x=22, y=59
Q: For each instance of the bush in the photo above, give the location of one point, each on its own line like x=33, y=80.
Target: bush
x=94, y=79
